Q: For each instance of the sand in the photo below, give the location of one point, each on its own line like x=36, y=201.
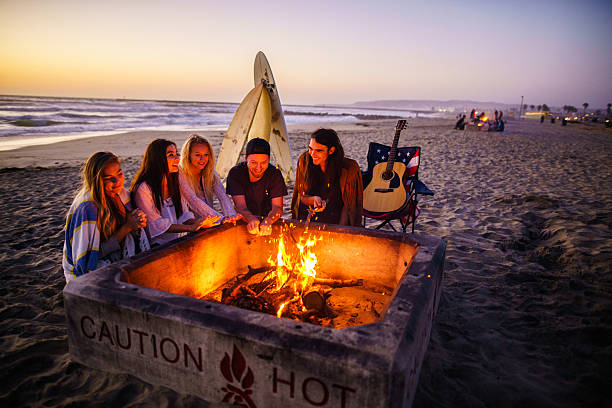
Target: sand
x=525, y=317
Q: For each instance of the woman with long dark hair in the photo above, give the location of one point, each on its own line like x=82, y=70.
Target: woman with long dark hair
x=327, y=182
x=156, y=190
x=101, y=225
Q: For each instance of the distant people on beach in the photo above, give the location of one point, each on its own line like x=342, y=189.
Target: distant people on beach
x=257, y=188
x=327, y=183
x=499, y=123
x=102, y=226
x=460, y=123
x=481, y=121
x=200, y=183
x=500, y=126
x=156, y=190
x=476, y=118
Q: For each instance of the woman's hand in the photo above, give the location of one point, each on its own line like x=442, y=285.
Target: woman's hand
x=136, y=219
x=210, y=221
x=232, y=219
x=202, y=222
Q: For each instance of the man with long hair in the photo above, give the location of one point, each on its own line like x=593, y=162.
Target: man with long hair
x=327, y=182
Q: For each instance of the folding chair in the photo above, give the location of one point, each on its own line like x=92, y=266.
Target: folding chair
x=411, y=157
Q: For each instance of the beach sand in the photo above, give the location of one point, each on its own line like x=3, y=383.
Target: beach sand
x=525, y=317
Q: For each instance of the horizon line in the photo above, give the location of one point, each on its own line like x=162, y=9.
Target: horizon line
x=353, y=104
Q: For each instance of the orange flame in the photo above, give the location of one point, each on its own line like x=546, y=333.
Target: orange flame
x=298, y=270
x=282, y=261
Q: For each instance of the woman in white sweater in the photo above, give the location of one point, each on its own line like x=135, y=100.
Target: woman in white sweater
x=156, y=191
x=199, y=181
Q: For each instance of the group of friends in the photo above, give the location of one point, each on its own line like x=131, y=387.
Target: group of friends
x=481, y=119
x=172, y=194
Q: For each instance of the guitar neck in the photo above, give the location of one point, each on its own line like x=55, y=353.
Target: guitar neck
x=393, y=151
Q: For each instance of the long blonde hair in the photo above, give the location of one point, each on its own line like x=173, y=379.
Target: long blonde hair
x=110, y=218
x=207, y=175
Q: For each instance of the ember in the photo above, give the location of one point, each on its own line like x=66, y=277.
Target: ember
x=289, y=287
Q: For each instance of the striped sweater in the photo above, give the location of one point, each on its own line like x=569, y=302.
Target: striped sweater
x=82, y=237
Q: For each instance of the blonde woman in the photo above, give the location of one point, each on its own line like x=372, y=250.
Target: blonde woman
x=199, y=181
x=101, y=225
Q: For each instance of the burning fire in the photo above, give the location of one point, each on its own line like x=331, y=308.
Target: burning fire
x=298, y=270
x=293, y=281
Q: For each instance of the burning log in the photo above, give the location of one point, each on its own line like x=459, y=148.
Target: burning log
x=316, y=303
x=228, y=294
x=338, y=283
x=249, y=302
x=314, y=300
x=262, y=294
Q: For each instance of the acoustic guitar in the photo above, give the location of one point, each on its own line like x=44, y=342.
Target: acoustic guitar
x=386, y=191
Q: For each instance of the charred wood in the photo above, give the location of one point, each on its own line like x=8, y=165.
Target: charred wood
x=338, y=283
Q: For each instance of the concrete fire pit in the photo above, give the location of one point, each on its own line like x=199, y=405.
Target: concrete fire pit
x=143, y=317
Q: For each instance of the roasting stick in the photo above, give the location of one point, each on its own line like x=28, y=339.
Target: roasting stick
x=311, y=211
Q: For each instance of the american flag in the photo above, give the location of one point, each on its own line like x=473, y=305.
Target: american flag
x=379, y=153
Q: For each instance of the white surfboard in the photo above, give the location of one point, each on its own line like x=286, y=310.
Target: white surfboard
x=279, y=140
x=252, y=119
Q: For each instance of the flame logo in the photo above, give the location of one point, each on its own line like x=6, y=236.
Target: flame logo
x=236, y=369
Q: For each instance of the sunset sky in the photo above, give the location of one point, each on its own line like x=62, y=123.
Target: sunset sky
x=553, y=52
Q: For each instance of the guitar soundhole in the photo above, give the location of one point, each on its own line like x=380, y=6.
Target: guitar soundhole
x=387, y=175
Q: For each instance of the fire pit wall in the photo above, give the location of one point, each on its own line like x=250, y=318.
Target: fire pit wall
x=133, y=316
x=203, y=264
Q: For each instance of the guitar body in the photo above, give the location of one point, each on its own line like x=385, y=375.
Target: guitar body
x=382, y=196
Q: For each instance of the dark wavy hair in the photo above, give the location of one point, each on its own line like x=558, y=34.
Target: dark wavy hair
x=153, y=169
x=335, y=161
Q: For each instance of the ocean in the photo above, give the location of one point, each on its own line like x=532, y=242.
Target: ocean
x=33, y=120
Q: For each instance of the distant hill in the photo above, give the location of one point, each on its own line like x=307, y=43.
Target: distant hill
x=434, y=105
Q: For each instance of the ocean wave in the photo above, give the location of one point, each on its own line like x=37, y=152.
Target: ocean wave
x=361, y=116
x=34, y=122
x=21, y=108
x=309, y=113
x=92, y=116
